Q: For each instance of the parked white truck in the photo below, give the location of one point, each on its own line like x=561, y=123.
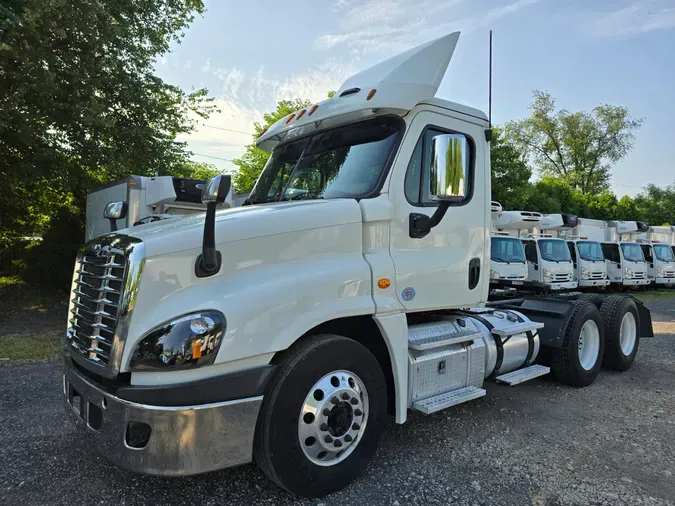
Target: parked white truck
x=284, y=331
x=624, y=258
x=508, y=266
x=584, y=242
x=139, y=200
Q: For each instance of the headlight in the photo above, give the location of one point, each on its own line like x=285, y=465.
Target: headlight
x=547, y=275
x=662, y=272
x=525, y=277
x=627, y=273
x=494, y=275
x=184, y=343
x=585, y=273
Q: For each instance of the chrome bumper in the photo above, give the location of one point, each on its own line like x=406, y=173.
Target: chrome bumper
x=183, y=440
x=636, y=282
x=593, y=282
x=665, y=281
x=567, y=285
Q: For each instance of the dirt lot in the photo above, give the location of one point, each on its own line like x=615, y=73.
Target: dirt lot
x=538, y=443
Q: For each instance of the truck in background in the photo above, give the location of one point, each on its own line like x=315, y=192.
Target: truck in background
x=656, y=248
x=583, y=240
x=624, y=258
x=508, y=266
x=285, y=331
x=142, y=199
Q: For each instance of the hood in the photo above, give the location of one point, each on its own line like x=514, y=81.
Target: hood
x=185, y=233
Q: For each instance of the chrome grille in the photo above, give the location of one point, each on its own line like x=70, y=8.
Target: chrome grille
x=97, y=289
x=638, y=275
x=597, y=275
x=562, y=277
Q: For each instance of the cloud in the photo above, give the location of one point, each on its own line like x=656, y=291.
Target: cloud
x=392, y=25
x=244, y=97
x=634, y=20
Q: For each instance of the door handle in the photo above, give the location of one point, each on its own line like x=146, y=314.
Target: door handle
x=474, y=273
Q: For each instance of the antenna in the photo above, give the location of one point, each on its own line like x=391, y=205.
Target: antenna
x=490, y=87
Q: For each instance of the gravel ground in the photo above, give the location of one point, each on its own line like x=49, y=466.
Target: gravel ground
x=539, y=443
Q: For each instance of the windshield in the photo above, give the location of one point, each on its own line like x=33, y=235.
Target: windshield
x=554, y=250
x=663, y=252
x=632, y=252
x=506, y=249
x=591, y=251
x=343, y=162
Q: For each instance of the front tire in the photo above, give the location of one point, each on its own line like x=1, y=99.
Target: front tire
x=577, y=362
x=621, y=321
x=321, y=417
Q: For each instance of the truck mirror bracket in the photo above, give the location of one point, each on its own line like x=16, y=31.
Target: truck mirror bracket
x=421, y=224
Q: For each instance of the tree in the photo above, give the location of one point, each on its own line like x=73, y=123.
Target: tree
x=578, y=147
x=510, y=173
x=80, y=104
x=192, y=169
x=656, y=205
x=252, y=162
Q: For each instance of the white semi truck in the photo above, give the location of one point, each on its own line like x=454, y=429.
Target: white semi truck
x=286, y=330
x=584, y=242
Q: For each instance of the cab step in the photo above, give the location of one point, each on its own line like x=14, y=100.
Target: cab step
x=442, y=401
x=426, y=336
x=514, y=328
x=522, y=375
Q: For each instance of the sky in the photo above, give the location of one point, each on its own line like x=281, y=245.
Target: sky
x=621, y=52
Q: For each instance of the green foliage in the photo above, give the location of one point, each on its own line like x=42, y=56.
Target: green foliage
x=192, y=169
x=252, y=162
x=510, y=174
x=578, y=147
x=656, y=205
x=50, y=262
x=80, y=104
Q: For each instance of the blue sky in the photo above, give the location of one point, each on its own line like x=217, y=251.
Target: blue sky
x=622, y=52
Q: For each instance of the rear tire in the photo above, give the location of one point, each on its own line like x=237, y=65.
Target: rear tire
x=298, y=407
x=594, y=298
x=621, y=320
x=577, y=362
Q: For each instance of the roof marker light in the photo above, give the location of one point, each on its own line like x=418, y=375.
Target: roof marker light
x=301, y=113
x=290, y=118
x=314, y=108
x=371, y=94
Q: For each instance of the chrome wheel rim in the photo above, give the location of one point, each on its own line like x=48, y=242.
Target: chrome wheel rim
x=628, y=333
x=589, y=345
x=333, y=418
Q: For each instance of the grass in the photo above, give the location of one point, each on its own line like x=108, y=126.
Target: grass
x=29, y=347
x=653, y=295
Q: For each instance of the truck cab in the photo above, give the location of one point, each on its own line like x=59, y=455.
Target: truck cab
x=508, y=266
x=590, y=269
x=660, y=261
x=549, y=262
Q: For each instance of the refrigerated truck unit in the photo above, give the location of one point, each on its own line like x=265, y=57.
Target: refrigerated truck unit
x=584, y=241
x=508, y=266
x=656, y=248
x=147, y=198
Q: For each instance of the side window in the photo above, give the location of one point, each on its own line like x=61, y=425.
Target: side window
x=531, y=252
x=442, y=161
x=573, y=253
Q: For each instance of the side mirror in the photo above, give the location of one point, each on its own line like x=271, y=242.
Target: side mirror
x=115, y=211
x=448, y=180
x=215, y=192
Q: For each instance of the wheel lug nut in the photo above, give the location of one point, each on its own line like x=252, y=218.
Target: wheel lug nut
x=356, y=426
x=345, y=396
x=348, y=438
x=328, y=439
x=337, y=443
x=335, y=400
x=357, y=412
x=324, y=427
x=326, y=412
x=355, y=401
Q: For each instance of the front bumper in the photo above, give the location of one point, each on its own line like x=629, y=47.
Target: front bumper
x=665, y=281
x=636, y=282
x=593, y=282
x=183, y=440
x=569, y=285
